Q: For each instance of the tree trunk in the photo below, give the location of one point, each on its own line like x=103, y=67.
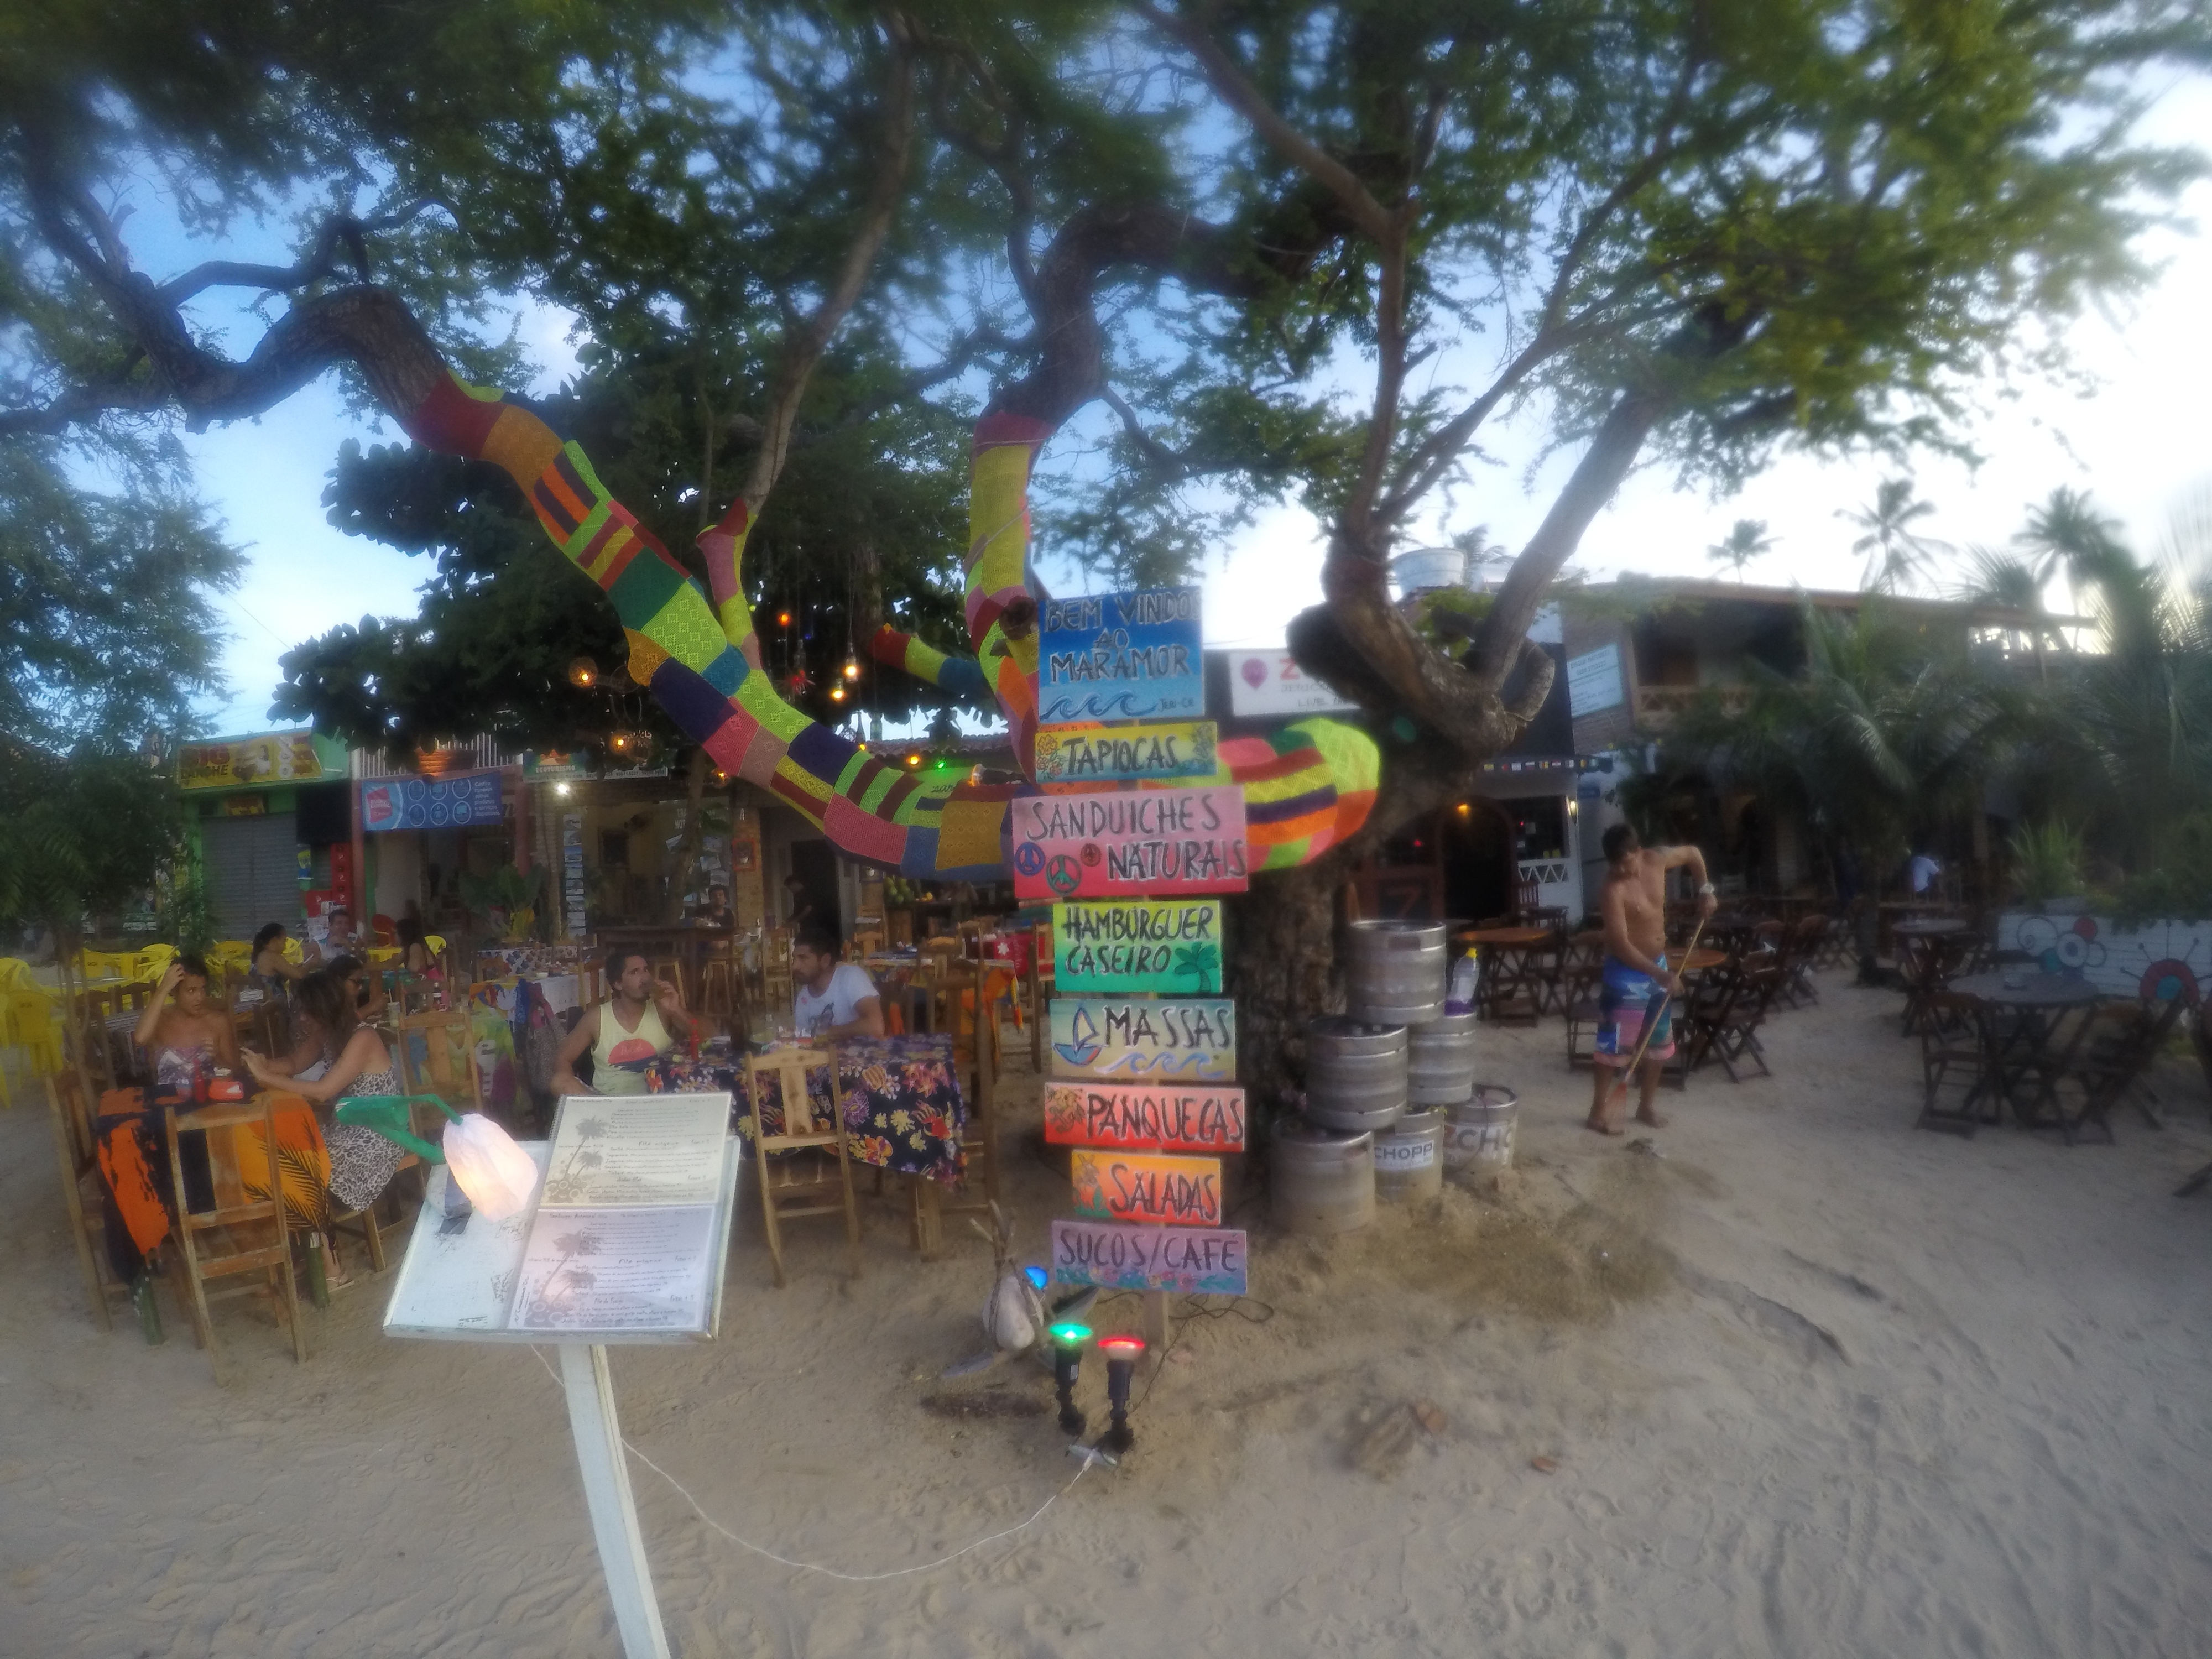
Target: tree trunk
x=1280, y=966
x=687, y=850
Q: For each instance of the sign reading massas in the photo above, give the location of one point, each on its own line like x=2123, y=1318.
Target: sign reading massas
x=1197, y=1262
x=1147, y=1187
x=1121, y=1042
x=1138, y=944
x=431, y=803
x=1132, y=844
x=1142, y=1118
x=1126, y=754
x=1120, y=657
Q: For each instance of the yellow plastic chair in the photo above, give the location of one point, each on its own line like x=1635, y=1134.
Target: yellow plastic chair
x=232, y=955
x=293, y=950
x=31, y=1027
x=381, y=956
x=436, y=942
x=15, y=975
x=152, y=963
x=106, y=964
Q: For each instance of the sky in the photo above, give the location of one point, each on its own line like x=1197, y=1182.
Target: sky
x=2136, y=443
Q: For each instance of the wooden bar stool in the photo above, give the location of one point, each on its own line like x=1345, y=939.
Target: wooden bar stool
x=804, y=1134
x=75, y=1151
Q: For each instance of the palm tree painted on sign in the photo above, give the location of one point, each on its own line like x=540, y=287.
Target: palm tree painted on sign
x=1202, y=961
x=1748, y=541
x=1897, y=556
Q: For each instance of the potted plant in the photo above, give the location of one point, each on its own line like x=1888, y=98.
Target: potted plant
x=2046, y=867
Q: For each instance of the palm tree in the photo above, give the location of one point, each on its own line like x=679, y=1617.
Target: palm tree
x=1747, y=541
x=2006, y=580
x=1896, y=556
x=2066, y=536
x=1880, y=736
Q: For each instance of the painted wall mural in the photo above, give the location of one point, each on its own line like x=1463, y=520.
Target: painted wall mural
x=2161, y=960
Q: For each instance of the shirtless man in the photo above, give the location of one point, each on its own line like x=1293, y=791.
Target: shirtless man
x=1637, y=981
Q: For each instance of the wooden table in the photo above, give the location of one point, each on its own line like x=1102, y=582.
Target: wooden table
x=1931, y=926
x=1702, y=959
x=2033, y=1007
x=1509, y=936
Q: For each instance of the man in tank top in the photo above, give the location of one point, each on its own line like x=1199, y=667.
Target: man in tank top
x=641, y=1017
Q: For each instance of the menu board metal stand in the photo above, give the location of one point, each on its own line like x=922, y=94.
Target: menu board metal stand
x=606, y=1492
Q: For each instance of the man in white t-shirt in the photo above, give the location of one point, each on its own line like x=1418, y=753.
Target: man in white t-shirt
x=1926, y=868
x=831, y=998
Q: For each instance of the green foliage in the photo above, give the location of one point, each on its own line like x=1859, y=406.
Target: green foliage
x=184, y=911
x=2046, y=861
x=106, y=629
x=2179, y=887
x=82, y=836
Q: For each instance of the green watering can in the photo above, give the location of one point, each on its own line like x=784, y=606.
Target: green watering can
x=388, y=1115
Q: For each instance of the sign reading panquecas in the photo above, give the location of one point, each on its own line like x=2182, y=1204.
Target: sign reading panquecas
x=1135, y=844
x=1120, y=657
x=1146, y=1118
x=1138, y=944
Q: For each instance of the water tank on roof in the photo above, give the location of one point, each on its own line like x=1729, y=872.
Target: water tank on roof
x=1425, y=568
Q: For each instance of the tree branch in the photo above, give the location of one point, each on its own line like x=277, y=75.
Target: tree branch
x=340, y=230
x=1229, y=83
x=1165, y=459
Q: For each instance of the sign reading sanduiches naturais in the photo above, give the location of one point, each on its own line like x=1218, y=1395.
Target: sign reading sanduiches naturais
x=1121, y=1041
x=1120, y=657
x=1145, y=1117
x=1138, y=944
x=1195, y=1260
x=1162, y=751
x=1132, y=843
x=1175, y=1192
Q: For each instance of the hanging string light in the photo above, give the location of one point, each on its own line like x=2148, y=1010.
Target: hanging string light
x=583, y=673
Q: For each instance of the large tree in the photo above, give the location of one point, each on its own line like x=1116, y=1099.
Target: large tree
x=1685, y=233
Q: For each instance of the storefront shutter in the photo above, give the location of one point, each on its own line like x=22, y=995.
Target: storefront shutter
x=252, y=872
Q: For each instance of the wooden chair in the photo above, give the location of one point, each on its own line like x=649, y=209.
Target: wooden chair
x=2109, y=1061
x=443, y=1030
x=787, y=1194
x=1954, y=1054
x=1733, y=1038
x=671, y=970
x=777, y=989
x=1584, y=966
x=77, y=1157
x=240, y=1236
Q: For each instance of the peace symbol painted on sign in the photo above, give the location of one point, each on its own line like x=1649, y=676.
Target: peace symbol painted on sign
x=1062, y=876
x=1090, y=853
x=1029, y=858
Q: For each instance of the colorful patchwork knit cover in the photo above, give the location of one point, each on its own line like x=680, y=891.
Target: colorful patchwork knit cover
x=1305, y=786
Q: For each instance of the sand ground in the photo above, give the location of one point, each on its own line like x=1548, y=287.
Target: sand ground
x=1811, y=1382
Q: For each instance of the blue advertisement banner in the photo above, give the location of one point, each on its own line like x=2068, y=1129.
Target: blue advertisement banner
x=431, y=803
x=1120, y=657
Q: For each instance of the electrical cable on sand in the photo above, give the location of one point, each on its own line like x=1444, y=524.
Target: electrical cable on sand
x=1082, y=1469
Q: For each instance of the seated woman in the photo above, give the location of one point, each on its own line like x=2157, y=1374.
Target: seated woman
x=272, y=974
x=182, y=1028
x=338, y=1057
x=413, y=953
x=369, y=997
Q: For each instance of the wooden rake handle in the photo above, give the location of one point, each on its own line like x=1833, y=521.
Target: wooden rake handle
x=1651, y=1026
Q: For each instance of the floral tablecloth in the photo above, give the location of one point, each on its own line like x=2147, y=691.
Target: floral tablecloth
x=901, y=1097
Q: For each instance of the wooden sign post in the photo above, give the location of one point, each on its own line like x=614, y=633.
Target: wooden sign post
x=1144, y=1089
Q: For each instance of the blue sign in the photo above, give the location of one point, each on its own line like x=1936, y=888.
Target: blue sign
x=431, y=803
x=1120, y=657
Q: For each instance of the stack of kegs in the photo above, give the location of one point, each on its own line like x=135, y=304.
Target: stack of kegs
x=1367, y=1133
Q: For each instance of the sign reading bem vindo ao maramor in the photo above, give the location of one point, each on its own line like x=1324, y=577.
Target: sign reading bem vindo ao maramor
x=1145, y=843
x=1177, y=1192
x=1130, y=1042
x=1138, y=944
x=1146, y=1118
x=1193, y=1260
x=1120, y=657
x=1070, y=756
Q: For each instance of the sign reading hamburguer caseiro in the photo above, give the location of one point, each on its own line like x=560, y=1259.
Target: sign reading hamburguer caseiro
x=1180, y=1192
x=1120, y=657
x=1146, y=1118
x=1195, y=1260
x=1135, y=844
x=1127, y=1041
x=1138, y=944
x=1124, y=754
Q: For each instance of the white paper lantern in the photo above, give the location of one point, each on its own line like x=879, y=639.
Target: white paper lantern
x=1014, y=1318
x=497, y=1174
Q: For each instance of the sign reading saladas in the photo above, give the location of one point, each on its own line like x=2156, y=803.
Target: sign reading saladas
x=1146, y=1187
x=1138, y=944
x=1121, y=1041
x=1133, y=844
x=1140, y=1118
x=1197, y=1262
x=1120, y=657
x=1124, y=754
